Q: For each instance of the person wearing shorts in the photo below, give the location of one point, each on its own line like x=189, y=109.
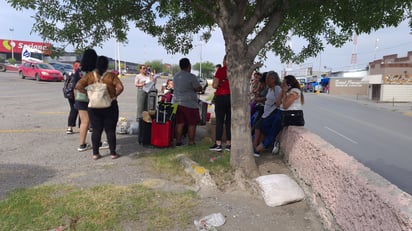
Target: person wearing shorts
x=186, y=88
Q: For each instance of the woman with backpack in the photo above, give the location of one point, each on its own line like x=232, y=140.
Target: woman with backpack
x=103, y=118
x=68, y=91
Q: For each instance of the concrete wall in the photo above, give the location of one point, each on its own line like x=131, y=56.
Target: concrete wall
x=347, y=195
x=397, y=93
x=347, y=86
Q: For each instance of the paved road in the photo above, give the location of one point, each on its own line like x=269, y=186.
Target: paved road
x=377, y=135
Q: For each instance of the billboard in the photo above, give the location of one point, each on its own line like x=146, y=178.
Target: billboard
x=6, y=46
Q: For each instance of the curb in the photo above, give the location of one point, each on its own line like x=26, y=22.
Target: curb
x=204, y=181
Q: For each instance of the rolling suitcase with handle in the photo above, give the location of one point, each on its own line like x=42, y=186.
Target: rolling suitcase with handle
x=162, y=127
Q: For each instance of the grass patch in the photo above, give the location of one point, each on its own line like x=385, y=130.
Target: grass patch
x=218, y=164
x=111, y=207
x=106, y=207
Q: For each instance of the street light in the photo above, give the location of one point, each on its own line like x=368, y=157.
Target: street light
x=200, y=68
x=12, y=43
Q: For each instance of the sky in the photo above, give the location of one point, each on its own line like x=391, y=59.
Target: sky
x=142, y=47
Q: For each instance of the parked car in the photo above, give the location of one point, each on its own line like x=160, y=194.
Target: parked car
x=203, y=83
x=40, y=71
x=64, y=68
x=309, y=87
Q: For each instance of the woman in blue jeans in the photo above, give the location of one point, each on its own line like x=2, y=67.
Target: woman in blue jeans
x=269, y=125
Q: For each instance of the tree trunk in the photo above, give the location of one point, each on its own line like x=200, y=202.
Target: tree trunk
x=241, y=153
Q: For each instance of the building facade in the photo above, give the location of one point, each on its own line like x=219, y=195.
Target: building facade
x=390, y=79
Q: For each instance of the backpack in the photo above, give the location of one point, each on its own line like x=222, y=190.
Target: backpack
x=68, y=87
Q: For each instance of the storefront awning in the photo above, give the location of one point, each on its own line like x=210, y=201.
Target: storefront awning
x=372, y=79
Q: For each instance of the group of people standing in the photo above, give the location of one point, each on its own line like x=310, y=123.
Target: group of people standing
x=269, y=97
x=90, y=69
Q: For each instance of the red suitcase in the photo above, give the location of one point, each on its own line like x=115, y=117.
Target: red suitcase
x=162, y=134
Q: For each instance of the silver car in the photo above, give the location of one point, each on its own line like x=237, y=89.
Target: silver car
x=64, y=68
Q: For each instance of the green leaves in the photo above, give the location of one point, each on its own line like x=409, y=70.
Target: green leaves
x=259, y=25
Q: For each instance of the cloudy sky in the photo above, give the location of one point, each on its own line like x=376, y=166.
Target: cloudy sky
x=143, y=48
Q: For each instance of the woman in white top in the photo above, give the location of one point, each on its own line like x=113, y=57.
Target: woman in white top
x=140, y=81
x=292, y=96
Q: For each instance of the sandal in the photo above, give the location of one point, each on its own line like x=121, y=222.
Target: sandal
x=115, y=156
x=97, y=156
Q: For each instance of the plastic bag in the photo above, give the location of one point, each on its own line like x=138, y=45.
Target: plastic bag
x=122, y=126
x=210, y=222
x=133, y=128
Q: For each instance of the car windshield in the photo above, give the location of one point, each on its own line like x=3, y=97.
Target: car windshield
x=67, y=66
x=44, y=66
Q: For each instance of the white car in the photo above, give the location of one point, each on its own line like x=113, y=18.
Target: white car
x=203, y=83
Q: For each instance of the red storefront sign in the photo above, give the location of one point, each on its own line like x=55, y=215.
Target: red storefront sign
x=6, y=46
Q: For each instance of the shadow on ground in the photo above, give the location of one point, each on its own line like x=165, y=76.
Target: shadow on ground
x=15, y=176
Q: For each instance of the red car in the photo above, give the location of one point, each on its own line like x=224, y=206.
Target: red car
x=40, y=71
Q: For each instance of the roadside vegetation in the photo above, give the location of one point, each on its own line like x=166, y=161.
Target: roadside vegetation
x=113, y=207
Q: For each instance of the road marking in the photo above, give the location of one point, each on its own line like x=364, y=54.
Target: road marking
x=341, y=135
x=31, y=130
x=51, y=113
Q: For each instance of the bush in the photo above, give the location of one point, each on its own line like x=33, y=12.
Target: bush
x=12, y=61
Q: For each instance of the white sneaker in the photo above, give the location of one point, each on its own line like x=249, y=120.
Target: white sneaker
x=255, y=154
x=104, y=145
x=275, y=147
x=84, y=147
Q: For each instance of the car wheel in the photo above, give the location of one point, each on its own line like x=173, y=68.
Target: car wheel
x=21, y=75
x=37, y=77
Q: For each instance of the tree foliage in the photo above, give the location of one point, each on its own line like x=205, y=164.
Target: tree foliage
x=208, y=69
x=250, y=29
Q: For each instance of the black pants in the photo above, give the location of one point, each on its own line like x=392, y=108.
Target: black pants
x=223, y=116
x=71, y=121
x=106, y=119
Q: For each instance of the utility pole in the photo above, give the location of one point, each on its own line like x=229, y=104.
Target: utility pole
x=12, y=43
x=200, y=68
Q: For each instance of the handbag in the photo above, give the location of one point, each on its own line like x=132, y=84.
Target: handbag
x=98, y=94
x=81, y=97
x=293, y=118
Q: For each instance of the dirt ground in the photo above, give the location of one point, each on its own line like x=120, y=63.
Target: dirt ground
x=246, y=211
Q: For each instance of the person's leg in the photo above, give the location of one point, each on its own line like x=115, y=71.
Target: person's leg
x=179, y=131
x=258, y=134
x=192, y=118
x=275, y=125
x=191, y=132
x=228, y=120
x=84, y=125
x=269, y=129
x=71, y=120
x=180, y=123
x=141, y=100
x=110, y=122
x=97, y=122
x=220, y=116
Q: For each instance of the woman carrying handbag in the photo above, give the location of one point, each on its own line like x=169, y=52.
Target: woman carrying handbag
x=291, y=102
